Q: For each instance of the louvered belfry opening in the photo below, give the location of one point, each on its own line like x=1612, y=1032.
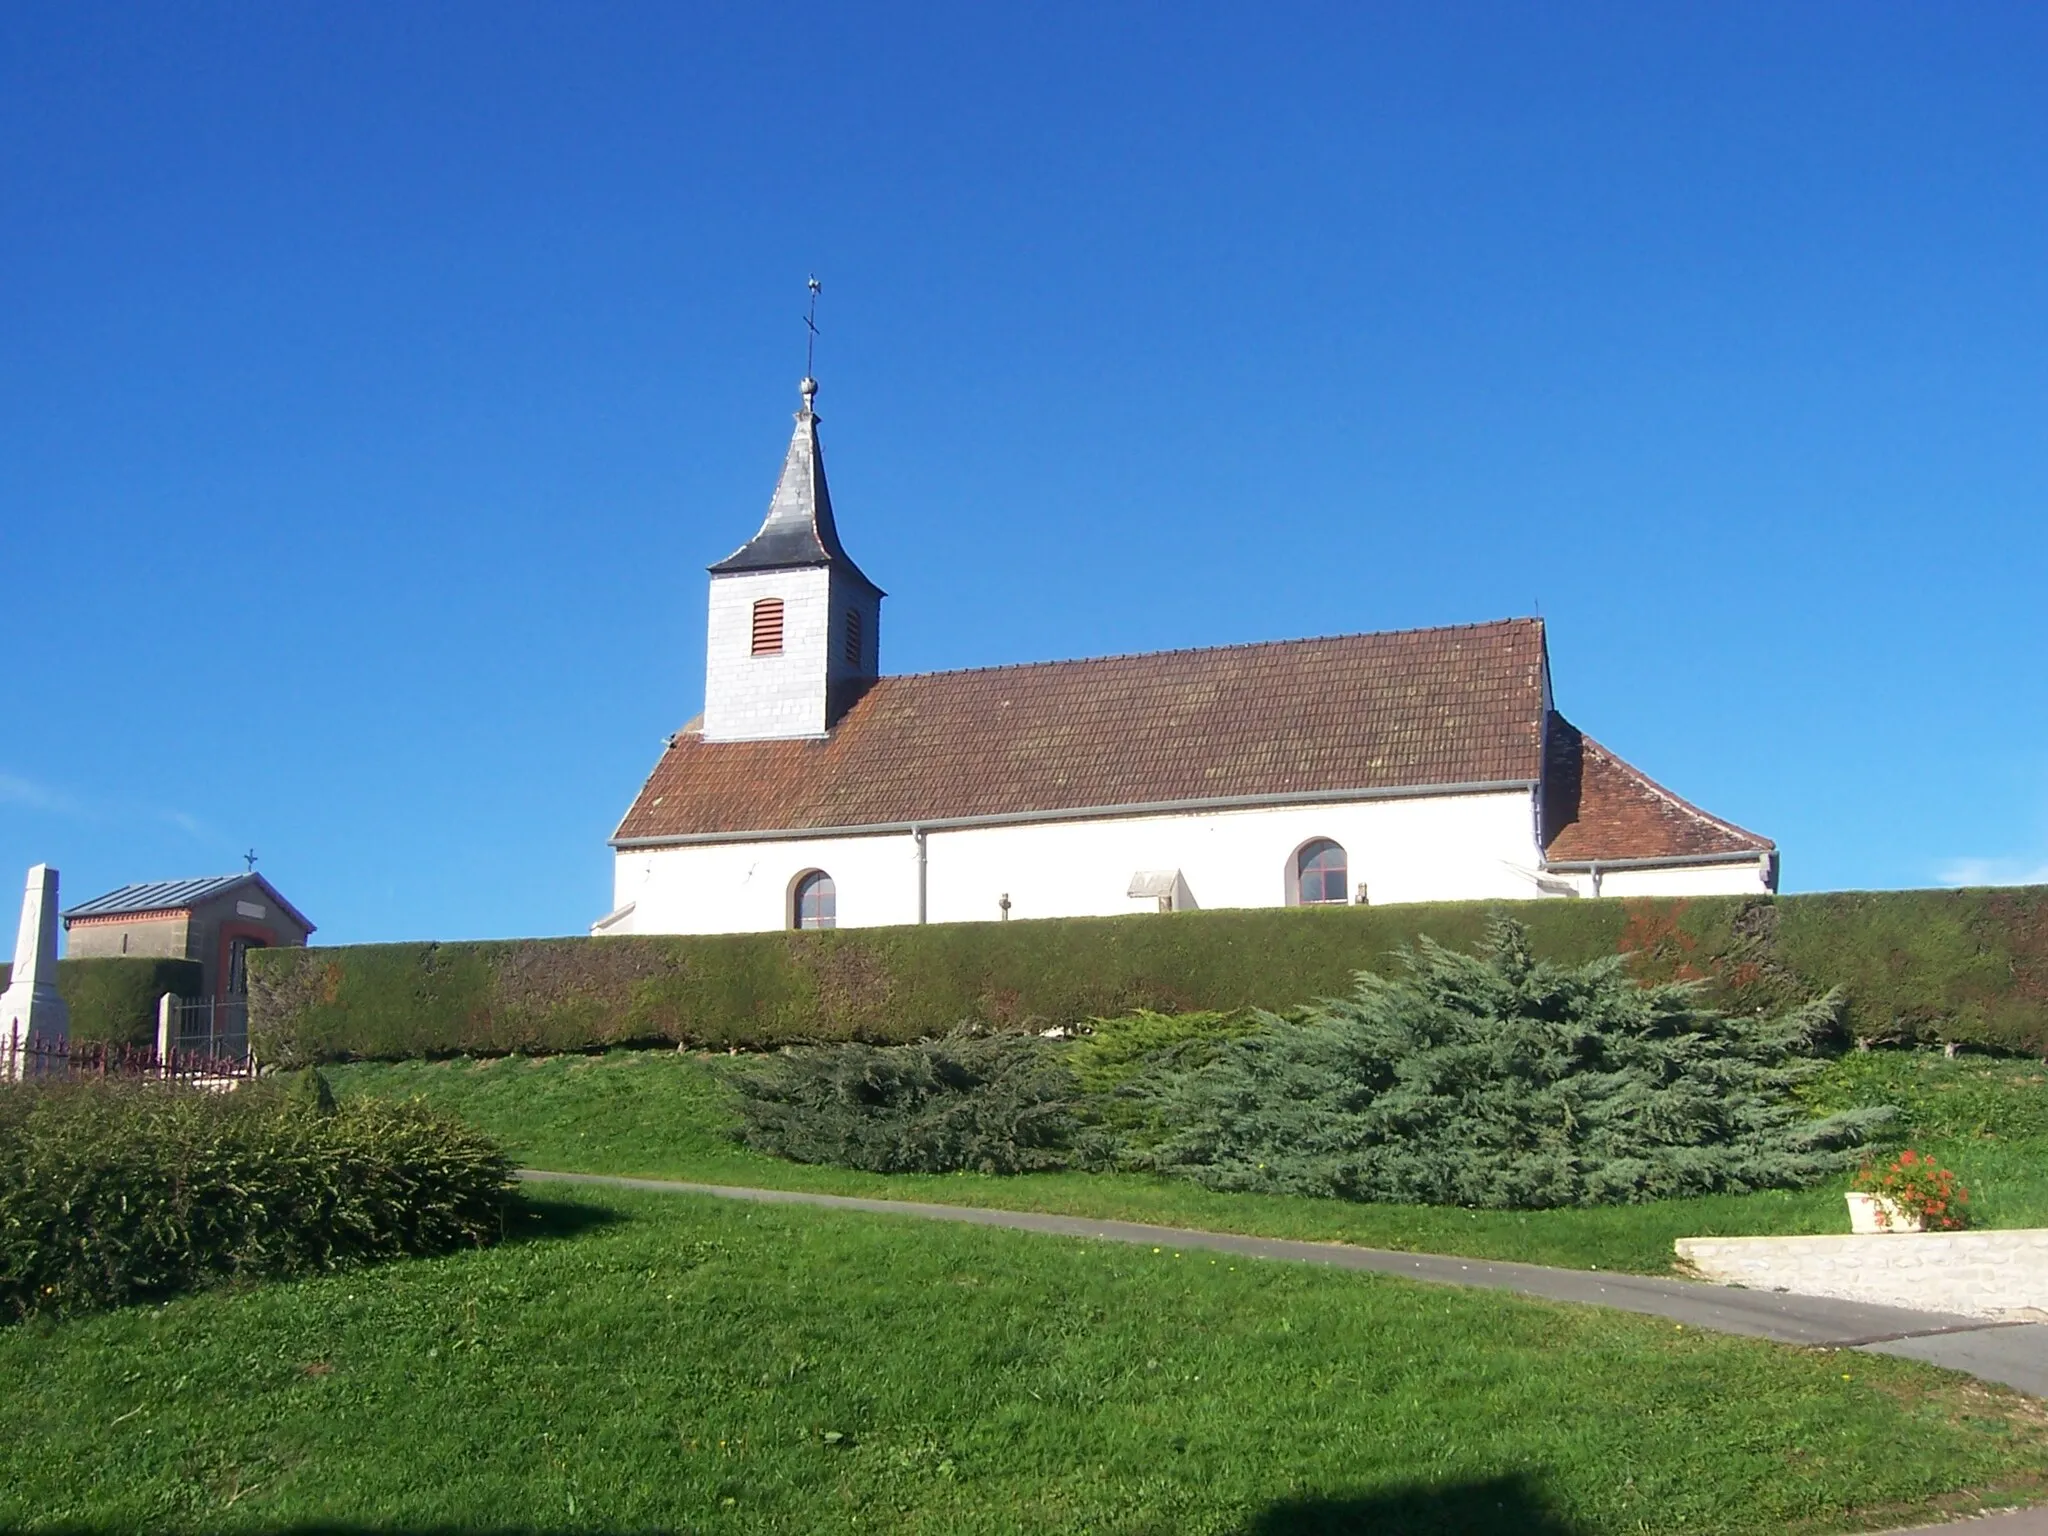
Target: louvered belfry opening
x=853, y=637
x=768, y=626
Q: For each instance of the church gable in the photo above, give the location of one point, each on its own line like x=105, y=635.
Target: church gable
x=1599, y=809
x=1459, y=706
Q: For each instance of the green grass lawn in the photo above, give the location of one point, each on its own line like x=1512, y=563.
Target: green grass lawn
x=636, y=1362
x=664, y=1114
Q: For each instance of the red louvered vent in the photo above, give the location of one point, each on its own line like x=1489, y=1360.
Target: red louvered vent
x=768, y=626
x=853, y=637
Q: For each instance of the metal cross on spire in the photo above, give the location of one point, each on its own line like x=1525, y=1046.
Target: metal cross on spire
x=249, y=859
x=811, y=325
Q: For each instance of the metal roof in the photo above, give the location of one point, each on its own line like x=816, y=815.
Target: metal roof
x=177, y=896
x=799, y=530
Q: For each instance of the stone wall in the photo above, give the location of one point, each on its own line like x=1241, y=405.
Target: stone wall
x=2000, y=1275
x=161, y=934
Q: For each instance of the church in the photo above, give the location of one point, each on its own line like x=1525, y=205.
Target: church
x=1421, y=765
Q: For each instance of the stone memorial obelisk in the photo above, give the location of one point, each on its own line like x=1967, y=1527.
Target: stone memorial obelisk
x=30, y=1006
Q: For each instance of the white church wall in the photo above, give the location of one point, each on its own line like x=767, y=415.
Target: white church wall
x=1419, y=849
x=747, y=887
x=1747, y=877
x=1432, y=848
x=752, y=697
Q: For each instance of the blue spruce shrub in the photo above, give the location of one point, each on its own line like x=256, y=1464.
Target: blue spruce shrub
x=1495, y=1079
x=989, y=1103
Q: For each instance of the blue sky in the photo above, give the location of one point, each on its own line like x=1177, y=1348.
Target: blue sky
x=377, y=381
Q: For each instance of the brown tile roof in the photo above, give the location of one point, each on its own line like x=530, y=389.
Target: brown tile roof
x=1598, y=807
x=1428, y=706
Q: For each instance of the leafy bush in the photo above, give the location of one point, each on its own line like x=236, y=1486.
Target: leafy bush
x=310, y=1091
x=112, y=1191
x=1499, y=1080
x=990, y=1103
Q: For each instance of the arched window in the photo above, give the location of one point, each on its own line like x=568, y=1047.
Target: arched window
x=768, y=626
x=1320, y=874
x=816, y=902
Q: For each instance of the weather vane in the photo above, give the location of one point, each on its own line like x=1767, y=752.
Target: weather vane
x=811, y=325
x=249, y=859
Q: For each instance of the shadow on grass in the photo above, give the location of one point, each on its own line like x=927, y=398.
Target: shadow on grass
x=1502, y=1506
x=1495, y=1506
x=1499, y=1506
x=533, y=1220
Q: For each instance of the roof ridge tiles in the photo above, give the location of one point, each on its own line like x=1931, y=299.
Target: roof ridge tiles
x=1212, y=650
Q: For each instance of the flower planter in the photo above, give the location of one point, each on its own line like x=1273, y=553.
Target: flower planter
x=1874, y=1213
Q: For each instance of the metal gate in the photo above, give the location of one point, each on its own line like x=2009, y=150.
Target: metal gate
x=214, y=1027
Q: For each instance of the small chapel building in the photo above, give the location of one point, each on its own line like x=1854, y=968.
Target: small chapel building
x=216, y=920
x=1422, y=765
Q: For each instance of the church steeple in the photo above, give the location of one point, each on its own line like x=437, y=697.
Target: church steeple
x=798, y=530
x=795, y=625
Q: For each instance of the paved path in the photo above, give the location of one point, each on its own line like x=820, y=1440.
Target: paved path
x=2015, y=1354
x=2021, y=1522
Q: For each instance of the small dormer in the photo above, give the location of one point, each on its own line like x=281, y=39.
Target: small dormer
x=795, y=628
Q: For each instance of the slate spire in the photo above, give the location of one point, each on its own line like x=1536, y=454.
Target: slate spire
x=798, y=530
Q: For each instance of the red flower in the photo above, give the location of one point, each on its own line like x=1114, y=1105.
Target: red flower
x=1917, y=1185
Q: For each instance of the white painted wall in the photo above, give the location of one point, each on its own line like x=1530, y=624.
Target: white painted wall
x=1427, y=848
x=747, y=887
x=1750, y=877
x=1422, y=849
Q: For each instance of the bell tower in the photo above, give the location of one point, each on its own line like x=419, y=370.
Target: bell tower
x=795, y=626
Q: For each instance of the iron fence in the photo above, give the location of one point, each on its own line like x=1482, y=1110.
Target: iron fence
x=41, y=1057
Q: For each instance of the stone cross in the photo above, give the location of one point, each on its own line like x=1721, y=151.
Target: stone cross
x=30, y=1005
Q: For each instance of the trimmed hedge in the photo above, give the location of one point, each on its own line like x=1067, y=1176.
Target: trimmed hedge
x=1969, y=966
x=113, y=999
